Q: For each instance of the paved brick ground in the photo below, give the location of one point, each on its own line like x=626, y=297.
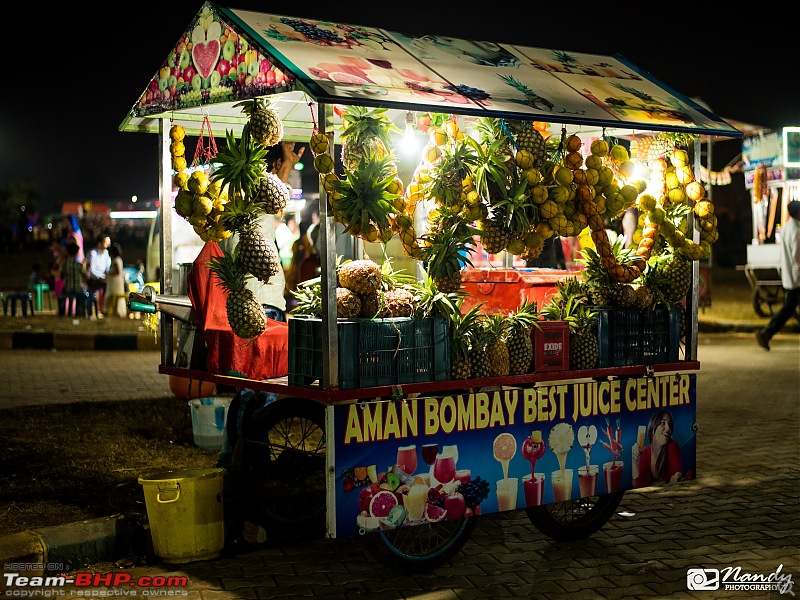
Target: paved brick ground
x=741, y=511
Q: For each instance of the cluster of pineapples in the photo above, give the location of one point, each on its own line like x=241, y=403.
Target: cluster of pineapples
x=369, y=199
x=198, y=200
x=252, y=193
x=495, y=345
x=571, y=304
x=364, y=290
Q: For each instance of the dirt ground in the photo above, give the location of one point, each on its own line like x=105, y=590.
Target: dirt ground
x=66, y=463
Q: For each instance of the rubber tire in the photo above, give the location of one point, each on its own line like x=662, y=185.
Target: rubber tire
x=281, y=479
x=759, y=300
x=420, y=548
x=574, y=519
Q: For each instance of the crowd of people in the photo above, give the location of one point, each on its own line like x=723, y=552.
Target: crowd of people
x=86, y=284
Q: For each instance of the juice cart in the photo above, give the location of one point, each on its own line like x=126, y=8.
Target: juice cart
x=369, y=431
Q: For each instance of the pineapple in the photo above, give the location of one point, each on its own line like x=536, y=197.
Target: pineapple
x=398, y=302
x=271, y=193
x=348, y=305
x=494, y=237
x=644, y=297
x=623, y=295
x=479, y=362
x=528, y=138
x=445, y=253
x=361, y=276
x=265, y=122
x=531, y=99
x=520, y=346
x=367, y=131
x=676, y=271
x=496, y=347
x=245, y=315
x=462, y=330
x=255, y=253
x=372, y=305
x=596, y=280
x=584, y=348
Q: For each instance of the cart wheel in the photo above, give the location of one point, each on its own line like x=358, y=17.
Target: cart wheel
x=761, y=304
x=279, y=468
x=419, y=548
x=574, y=519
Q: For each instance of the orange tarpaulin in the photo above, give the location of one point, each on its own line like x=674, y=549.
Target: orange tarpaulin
x=265, y=357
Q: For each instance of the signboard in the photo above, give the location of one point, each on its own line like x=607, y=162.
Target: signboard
x=419, y=460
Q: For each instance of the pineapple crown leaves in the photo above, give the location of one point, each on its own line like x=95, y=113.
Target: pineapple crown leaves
x=250, y=107
x=430, y=302
x=391, y=279
x=497, y=326
x=232, y=277
x=594, y=273
x=365, y=189
x=525, y=317
x=457, y=162
x=309, y=299
x=653, y=278
x=240, y=164
x=447, y=251
x=240, y=214
x=491, y=172
x=464, y=327
x=362, y=124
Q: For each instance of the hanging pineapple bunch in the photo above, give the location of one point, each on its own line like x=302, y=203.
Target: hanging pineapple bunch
x=241, y=168
x=266, y=127
x=198, y=200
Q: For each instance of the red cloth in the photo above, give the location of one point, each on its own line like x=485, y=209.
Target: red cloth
x=265, y=357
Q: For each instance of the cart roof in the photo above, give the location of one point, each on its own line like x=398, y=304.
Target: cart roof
x=228, y=55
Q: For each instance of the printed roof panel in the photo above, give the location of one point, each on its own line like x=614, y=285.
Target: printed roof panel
x=228, y=55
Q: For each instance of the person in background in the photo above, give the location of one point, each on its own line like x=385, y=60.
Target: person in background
x=97, y=265
x=73, y=272
x=630, y=221
x=310, y=214
x=790, y=276
x=115, y=281
x=305, y=263
x=36, y=275
x=552, y=255
x=286, y=232
x=281, y=159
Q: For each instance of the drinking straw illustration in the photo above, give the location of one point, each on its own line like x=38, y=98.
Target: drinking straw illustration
x=614, y=444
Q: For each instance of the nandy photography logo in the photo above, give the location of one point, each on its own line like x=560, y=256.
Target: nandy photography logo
x=733, y=578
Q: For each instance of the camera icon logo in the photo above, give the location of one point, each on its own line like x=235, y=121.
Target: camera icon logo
x=702, y=579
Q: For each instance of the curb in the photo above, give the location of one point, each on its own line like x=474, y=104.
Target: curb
x=39, y=340
x=70, y=546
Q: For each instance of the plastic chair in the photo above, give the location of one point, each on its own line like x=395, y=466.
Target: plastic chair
x=25, y=298
x=41, y=289
x=76, y=304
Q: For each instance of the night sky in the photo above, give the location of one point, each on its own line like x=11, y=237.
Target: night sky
x=76, y=73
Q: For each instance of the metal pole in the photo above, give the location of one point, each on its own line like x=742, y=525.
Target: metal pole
x=165, y=206
x=327, y=250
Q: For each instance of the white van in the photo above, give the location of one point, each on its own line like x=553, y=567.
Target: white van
x=186, y=245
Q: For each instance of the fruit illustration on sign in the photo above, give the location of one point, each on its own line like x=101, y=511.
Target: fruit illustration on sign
x=382, y=503
x=228, y=50
x=533, y=448
x=504, y=447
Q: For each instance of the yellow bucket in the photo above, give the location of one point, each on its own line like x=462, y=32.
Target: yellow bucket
x=185, y=512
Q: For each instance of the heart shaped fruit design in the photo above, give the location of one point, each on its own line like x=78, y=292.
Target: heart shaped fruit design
x=206, y=48
x=204, y=56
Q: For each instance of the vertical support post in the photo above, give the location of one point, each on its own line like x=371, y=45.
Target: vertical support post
x=327, y=250
x=693, y=297
x=165, y=206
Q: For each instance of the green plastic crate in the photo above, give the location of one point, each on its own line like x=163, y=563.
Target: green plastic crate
x=372, y=352
x=661, y=330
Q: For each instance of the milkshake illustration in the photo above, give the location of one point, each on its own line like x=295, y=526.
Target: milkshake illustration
x=560, y=441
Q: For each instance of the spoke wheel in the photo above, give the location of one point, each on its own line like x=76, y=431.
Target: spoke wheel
x=574, y=519
x=419, y=548
x=279, y=468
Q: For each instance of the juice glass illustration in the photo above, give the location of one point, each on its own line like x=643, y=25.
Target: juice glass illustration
x=640, y=436
x=612, y=475
x=444, y=467
x=429, y=452
x=562, y=485
x=464, y=476
x=533, y=486
x=587, y=480
x=415, y=501
x=507, y=493
x=407, y=459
